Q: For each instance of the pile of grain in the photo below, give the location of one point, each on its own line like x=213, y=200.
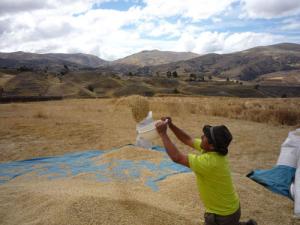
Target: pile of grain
x=131, y=153
x=76, y=125
x=80, y=201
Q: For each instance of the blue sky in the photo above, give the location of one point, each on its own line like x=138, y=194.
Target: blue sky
x=114, y=29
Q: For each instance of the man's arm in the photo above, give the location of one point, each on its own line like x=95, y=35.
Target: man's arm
x=181, y=135
x=171, y=149
x=173, y=152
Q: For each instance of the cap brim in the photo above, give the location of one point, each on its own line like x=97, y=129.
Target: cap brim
x=206, y=130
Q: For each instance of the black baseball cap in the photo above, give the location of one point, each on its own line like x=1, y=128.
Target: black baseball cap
x=219, y=136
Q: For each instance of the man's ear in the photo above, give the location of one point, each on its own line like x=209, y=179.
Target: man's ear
x=211, y=147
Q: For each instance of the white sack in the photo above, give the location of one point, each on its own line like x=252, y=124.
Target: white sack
x=296, y=189
x=142, y=140
x=289, y=153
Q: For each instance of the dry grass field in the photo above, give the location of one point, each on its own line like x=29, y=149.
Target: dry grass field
x=28, y=130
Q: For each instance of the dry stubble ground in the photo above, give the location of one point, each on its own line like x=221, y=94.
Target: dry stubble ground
x=53, y=128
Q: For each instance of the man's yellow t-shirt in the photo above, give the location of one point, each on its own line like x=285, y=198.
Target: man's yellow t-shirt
x=214, y=181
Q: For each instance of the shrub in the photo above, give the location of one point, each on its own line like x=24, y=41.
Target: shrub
x=176, y=91
x=169, y=74
x=90, y=88
x=287, y=117
x=175, y=75
x=284, y=96
x=40, y=115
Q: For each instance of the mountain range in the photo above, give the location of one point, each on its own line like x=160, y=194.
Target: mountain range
x=50, y=60
x=155, y=57
x=78, y=61
x=152, y=72
x=243, y=65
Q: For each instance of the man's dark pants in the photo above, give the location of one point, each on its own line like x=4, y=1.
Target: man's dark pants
x=233, y=219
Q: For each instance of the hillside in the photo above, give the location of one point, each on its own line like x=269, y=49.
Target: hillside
x=244, y=65
x=154, y=57
x=56, y=61
x=51, y=61
x=97, y=85
x=270, y=71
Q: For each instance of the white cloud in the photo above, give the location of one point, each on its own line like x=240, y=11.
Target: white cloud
x=270, y=8
x=51, y=27
x=8, y=6
x=194, y=9
x=216, y=20
x=5, y=25
x=208, y=42
x=160, y=28
x=49, y=24
x=241, y=41
x=52, y=7
x=291, y=25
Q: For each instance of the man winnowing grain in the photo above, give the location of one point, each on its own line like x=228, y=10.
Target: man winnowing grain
x=211, y=167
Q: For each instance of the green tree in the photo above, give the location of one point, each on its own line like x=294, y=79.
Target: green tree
x=90, y=87
x=65, y=70
x=201, y=78
x=176, y=91
x=284, y=96
x=24, y=68
x=175, y=75
x=66, y=67
x=193, y=77
x=169, y=74
x=46, y=69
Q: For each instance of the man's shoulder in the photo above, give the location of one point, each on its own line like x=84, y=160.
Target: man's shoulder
x=197, y=144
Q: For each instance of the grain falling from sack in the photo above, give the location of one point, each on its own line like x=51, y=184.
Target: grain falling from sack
x=139, y=107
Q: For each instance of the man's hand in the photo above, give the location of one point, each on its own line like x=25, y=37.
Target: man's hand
x=161, y=127
x=180, y=134
x=171, y=149
x=168, y=119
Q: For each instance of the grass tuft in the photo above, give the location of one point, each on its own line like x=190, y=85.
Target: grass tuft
x=41, y=115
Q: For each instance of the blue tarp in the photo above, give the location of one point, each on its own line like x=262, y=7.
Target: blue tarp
x=68, y=165
x=278, y=179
